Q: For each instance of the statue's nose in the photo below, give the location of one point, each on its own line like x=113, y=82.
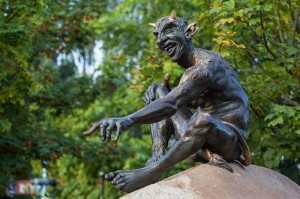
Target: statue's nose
x=160, y=40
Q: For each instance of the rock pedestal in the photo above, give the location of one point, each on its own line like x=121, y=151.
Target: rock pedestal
x=206, y=181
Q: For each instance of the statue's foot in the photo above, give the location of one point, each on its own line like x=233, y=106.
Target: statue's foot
x=219, y=161
x=132, y=180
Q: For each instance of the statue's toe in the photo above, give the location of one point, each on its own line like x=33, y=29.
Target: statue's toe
x=219, y=161
x=110, y=176
x=116, y=178
x=121, y=186
x=119, y=179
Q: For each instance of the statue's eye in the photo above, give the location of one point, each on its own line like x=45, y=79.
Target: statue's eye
x=168, y=31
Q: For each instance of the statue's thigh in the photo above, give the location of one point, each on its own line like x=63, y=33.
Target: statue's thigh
x=162, y=129
x=219, y=138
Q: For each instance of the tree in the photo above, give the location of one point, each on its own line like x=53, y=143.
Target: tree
x=261, y=39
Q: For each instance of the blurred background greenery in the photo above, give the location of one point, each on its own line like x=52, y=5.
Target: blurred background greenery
x=68, y=63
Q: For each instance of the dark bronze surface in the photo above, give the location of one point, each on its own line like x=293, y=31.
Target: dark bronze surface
x=215, y=133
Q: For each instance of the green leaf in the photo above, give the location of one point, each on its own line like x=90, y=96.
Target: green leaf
x=239, y=13
x=254, y=21
x=269, y=116
x=268, y=154
x=214, y=10
x=225, y=54
x=290, y=60
x=278, y=120
x=291, y=50
x=289, y=66
x=248, y=10
x=228, y=5
x=227, y=20
x=268, y=6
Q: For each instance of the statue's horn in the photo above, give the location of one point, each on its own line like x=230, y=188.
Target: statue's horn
x=173, y=15
x=153, y=25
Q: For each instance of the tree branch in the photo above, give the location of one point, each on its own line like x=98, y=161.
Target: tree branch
x=292, y=13
x=287, y=103
x=11, y=17
x=252, y=47
x=295, y=26
x=279, y=25
x=255, y=111
x=264, y=36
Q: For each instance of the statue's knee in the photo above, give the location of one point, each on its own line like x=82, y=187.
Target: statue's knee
x=200, y=124
x=203, y=120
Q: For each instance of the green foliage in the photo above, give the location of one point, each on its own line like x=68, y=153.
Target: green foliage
x=261, y=39
x=46, y=102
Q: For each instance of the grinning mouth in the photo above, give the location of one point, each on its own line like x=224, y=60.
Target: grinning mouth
x=169, y=48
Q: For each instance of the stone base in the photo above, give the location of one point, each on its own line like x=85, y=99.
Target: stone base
x=206, y=181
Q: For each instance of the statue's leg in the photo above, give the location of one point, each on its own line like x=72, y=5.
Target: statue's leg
x=204, y=131
x=162, y=130
x=160, y=133
x=180, y=122
x=177, y=124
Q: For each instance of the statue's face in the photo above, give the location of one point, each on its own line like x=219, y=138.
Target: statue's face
x=172, y=40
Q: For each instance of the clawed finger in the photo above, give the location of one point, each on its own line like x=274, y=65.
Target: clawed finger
x=91, y=130
x=118, y=133
x=102, y=133
x=109, y=130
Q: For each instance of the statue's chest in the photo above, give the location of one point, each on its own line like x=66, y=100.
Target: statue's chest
x=201, y=101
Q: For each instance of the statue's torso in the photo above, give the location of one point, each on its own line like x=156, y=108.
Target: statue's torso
x=225, y=98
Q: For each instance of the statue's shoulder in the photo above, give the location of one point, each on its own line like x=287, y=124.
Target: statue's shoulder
x=204, y=57
x=207, y=53
x=214, y=61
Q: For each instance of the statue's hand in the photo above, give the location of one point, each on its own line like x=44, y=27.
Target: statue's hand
x=149, y=95
x=154, y=92
x=108, y=125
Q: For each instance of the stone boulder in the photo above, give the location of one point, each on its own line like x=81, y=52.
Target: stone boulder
x=206, y=181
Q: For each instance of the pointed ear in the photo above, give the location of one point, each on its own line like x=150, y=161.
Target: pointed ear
x=191, y=30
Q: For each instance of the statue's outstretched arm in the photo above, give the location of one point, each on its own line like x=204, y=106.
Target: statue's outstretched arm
x=198, y=79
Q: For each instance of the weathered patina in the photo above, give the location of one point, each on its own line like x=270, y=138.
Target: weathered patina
x=214, y=133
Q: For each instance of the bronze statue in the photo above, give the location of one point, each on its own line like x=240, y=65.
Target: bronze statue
x=215, y=133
